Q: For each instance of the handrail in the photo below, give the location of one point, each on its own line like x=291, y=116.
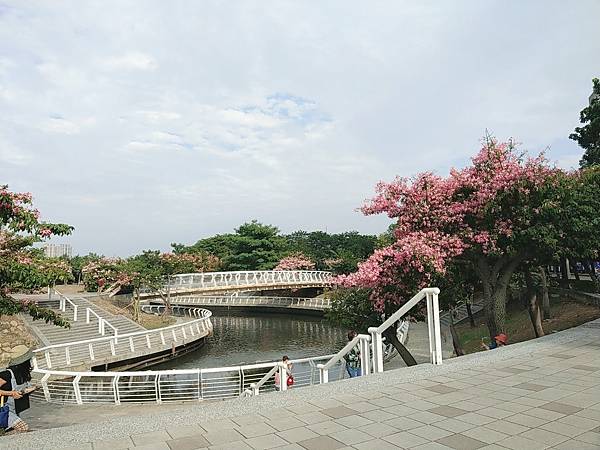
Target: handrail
x=361, y=340
x=228, y=300
x=162, y=385
x=90, y=311
x=63, y=304
x=255, y=387
x=433, y=325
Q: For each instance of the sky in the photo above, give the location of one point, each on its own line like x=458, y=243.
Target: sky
x=143, y=123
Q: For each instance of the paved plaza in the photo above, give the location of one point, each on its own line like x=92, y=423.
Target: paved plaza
x=533, y=395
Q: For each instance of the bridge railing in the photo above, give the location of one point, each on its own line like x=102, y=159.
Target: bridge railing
x=126, y=345
x=170, y=385
x=292, y=302
x=245, y=278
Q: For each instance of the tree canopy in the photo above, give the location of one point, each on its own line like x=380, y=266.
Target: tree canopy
x=588, y=136
x=21, y=265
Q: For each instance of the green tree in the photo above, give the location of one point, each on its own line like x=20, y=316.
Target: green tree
x=22, y=266
x=588, y=136
x=256, y=247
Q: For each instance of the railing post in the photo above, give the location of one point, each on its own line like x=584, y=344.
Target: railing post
x=131, y=346
x=48, y=359
x=377, y=344
x=74, y=313
x=323, y=374
x=67, y=356
x=437, y=334
x=116, y=390
x=91, y=349
x=365, y=359
x=77, y=390
x=87, y=315
x=45, y=388
x=282, y=377
x=112, y=347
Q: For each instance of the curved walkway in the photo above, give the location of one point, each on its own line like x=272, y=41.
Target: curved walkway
x=538, y=394
x=212, y=283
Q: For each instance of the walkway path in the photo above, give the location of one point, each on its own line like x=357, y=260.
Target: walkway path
x=532, y=395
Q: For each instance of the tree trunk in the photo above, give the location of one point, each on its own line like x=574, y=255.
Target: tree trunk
x=495, y=276
x=563, y=281
x=573, y=266
x=591, y=270
x=458, y=350
x=532, y=305
x=545, y=294
x=392, y=337
x=470, y=314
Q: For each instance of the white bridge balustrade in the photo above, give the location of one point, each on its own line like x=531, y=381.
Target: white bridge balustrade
x=249, y=301
x=171, y=385
x=121, y=347
x=241, y=281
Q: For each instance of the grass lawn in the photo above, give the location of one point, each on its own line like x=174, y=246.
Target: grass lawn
x=565, y=314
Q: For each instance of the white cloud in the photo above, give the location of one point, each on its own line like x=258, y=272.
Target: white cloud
x=129, y=61
x=197, y=118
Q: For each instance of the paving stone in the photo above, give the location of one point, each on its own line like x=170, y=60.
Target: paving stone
x=314, y=417
x=454, y=425
x=441, y=389
x=461, y=442
x=590, y=438
x=188, y=443
x=522, y=443
x=217, y=425
x=363, y=406
x=485, y=434
x=257, y=429
x=265, y=442
x=543, y=414
x=403, y=423
x=579, y=422
x=153, y=446
x=562, y=428
x=376, y=444
x=351, y=436
x=326, y=427
x=432, y=446
x=180, y=431
x=297, y=434
x=447, y=411
x=560, y=408
x=321, y=443
x=545, y=436
x=573, y=444
x=237, y=445
x=427, y=417
x=525, y=420
x=223, y=437
x=507, y=427
x=431, y=432
x=378, y=416
x=587, y=368
x=338, y=412
x=288, y=422
x=404, y=439
x=249, y=419
x=378, y=429
x=150, y=438
x=353, y=421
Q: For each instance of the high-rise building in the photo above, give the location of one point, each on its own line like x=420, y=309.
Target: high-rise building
x=57, y=250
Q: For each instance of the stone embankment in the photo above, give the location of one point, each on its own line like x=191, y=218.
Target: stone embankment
x=15, y=339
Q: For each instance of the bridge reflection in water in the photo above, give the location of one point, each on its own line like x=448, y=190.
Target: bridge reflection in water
x=247, y=337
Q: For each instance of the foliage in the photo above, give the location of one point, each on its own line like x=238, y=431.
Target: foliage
x=493, y=214
x=22, y=266
x=295, y=261
x=588, y=136
x=351, y=309
x=79, y=262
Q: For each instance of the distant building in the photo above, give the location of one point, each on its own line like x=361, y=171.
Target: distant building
x=57, y=250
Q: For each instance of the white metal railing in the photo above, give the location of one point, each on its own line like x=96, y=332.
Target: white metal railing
x=102, y=322
x=433, y=325
x=362, y=341
x=63, y=301
x=170, y=385
x=244, y=280
x=287, y=302
x=124, y=346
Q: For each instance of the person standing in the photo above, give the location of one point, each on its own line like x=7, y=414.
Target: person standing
x=353, y=358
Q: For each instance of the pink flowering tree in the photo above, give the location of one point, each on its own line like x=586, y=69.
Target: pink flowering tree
x=495, y=214
x=22, y=266
x=295, y=261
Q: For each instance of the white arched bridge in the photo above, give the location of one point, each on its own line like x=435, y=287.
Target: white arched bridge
x=208, y=283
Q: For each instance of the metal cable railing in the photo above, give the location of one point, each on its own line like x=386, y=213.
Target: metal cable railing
x=284, y=302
